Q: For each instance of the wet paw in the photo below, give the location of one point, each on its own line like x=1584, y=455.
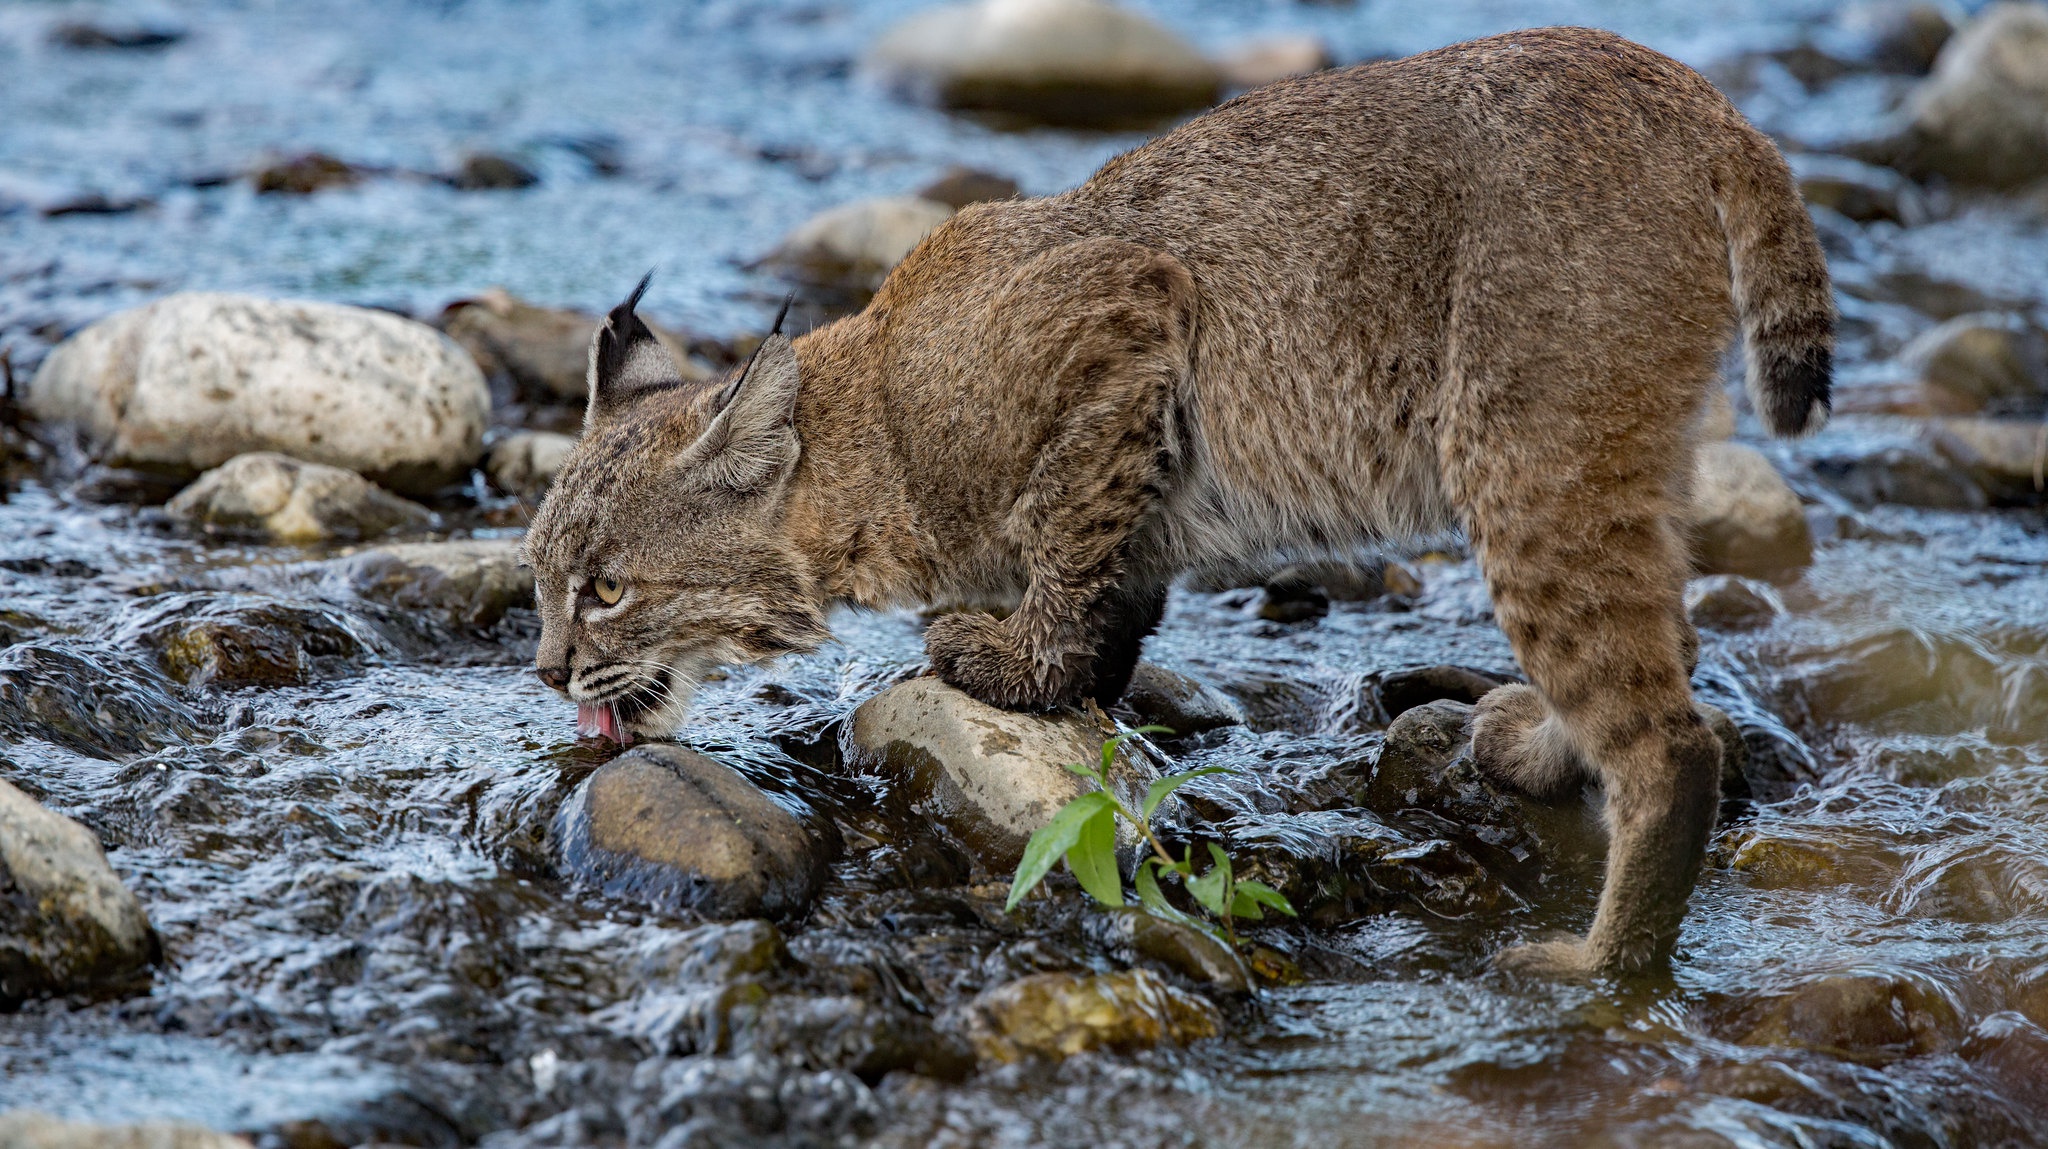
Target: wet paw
x=1557, y=959
x=1515, y=740
x=977, y=654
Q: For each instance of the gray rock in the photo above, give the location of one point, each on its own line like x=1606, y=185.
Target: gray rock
x=244, y=640
x=195, y=379
x=466, y=583
x=1901, y=36
x=1892, y=465
x=1863, y=192
x=960, y=186
x=1057, y=1015
x=67, y=924
x=1337, y=866
x=1982, y=117
x=990, y=777
x=1257, y=63
x=1730, y=602
x=89, y=701
x=1993, y=364
x=671, y=827
x=1745, y=519
x=852, y=247
x=543, y=351
x=1182, y=948
x=2008, y=458
x=1082, y=63
x=490, y=171
x=28, y=1129
x=281, y=499
x=526, y=463
x=1184, y=705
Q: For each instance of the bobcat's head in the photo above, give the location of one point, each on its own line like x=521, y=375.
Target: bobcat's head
x=659, y=553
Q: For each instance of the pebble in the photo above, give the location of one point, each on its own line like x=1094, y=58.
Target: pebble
x=991, y=778
x=490, y=171
x=90, y=36
x=852, y=247
x=275, y=497
x=304, y=174
x=673, y=828
x=29, y=1129
x=67, y=924
x=1982, y=117
x=193, y=380
x=1057, y=1015
x=1745, y=518
x=1073, y=63
x=525, y=463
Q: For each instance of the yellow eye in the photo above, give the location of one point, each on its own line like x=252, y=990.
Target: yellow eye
x=609, y=590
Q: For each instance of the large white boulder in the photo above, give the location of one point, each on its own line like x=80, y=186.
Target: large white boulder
x=1982, y=117
x=1076, y=62
x=192, y=380
x=1745, y=519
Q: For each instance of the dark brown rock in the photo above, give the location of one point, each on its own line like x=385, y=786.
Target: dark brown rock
x=961, y=186
x=304, y=174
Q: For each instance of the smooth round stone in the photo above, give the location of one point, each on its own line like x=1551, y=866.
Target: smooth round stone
x=67, y=924
x=1184, y=705
x=276, y=497
x=1056, y=1015
x=469, y=582
x=671, y=827
x=1745, y=518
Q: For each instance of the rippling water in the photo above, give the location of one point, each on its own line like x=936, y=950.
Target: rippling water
x=352, y=872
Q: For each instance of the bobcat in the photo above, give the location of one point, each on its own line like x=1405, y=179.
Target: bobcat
x=1486, y=287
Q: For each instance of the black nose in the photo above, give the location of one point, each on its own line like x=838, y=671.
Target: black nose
x=555, y=676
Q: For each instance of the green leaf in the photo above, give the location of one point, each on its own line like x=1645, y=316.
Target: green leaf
x=1052, y=840
x=1160, y=789
x=1146, y=882
x=1081, y=768
x=1266, y=895
x=1242, y=906
x=1208, y=889
x=1093, y=858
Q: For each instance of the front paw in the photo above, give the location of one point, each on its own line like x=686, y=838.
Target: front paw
x=976, y=653
x=1559, y=959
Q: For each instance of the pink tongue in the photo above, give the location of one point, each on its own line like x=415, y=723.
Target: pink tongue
x=594, y=721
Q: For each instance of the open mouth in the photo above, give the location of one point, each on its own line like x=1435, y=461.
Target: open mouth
x=613, y=718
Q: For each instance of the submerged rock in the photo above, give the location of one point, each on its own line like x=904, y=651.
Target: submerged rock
x=1898, y=468
x=852, y=247
x=244, y=640
x=469, y=583
x=1184, y=705
x=668, y=826
x=2007, y=458
x=1730, y=602
x=276, y=497
x=1745, y=519
x=1982, y=117
x=1863, y=1017
x=88, y=701
x=526, y=463
x=490, y=171
x=1993, y=364
x=989, y=777
x=1077, y=63
x=195, y=379
x=67, y=924
x=1182, y=948
x=1057, y=1015
x=1337, y=866
x=28, y=1129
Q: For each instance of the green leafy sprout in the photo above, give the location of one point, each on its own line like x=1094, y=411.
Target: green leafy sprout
x=1084, y=833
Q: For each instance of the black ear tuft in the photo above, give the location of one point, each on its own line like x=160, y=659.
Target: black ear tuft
x=779, y=316
x=626, y=358
x=732, y=389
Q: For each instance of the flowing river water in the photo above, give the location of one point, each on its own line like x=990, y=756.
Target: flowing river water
x=367, y=935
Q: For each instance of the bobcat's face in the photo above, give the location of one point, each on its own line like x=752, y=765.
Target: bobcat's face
x=658, y=553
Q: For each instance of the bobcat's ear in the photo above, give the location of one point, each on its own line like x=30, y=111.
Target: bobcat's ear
x=626, y=359
x=751, y=440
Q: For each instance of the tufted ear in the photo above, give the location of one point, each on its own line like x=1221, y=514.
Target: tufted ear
x=751, y=438
x=626, y=359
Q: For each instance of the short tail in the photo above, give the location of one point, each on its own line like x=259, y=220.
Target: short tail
x=1782, y=293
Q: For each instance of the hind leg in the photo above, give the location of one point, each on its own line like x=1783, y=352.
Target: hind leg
x=1127, y=616
x=1587, y=571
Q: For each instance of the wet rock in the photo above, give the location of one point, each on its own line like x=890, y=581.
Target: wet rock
x=1745, y=519
x=469, y=583
x=676, y=829
x=960, y=186
x=490, y=171
x=90, y=702
x=95, y=37
x=1863, y=192
x=1901, y=36
x=1895, y=469
x=719, y=952
x=1261, y=62
x=1982, y=117
x=121, y=485
x=264, y=495
x=1730, y=602
x=1181, y=948
x=1289, y=597
x=1337, y=866
x=1863, y=1017
x=1077, y=63
x=2007, y=458
x=989, y=777
x=852, y=247
x=526, y=463
x=2011, y=1048
x=1057, y=1015
x=192, y=380
x=543, y=352
x=28, y=1129
x=67, y=924
x=304, y=174
x=1184, y=705
x=1400, y=691
x=1920, y=681
x=1993, y=364
x=244, y=640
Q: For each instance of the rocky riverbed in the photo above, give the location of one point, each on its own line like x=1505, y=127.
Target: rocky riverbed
x=294, y=848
